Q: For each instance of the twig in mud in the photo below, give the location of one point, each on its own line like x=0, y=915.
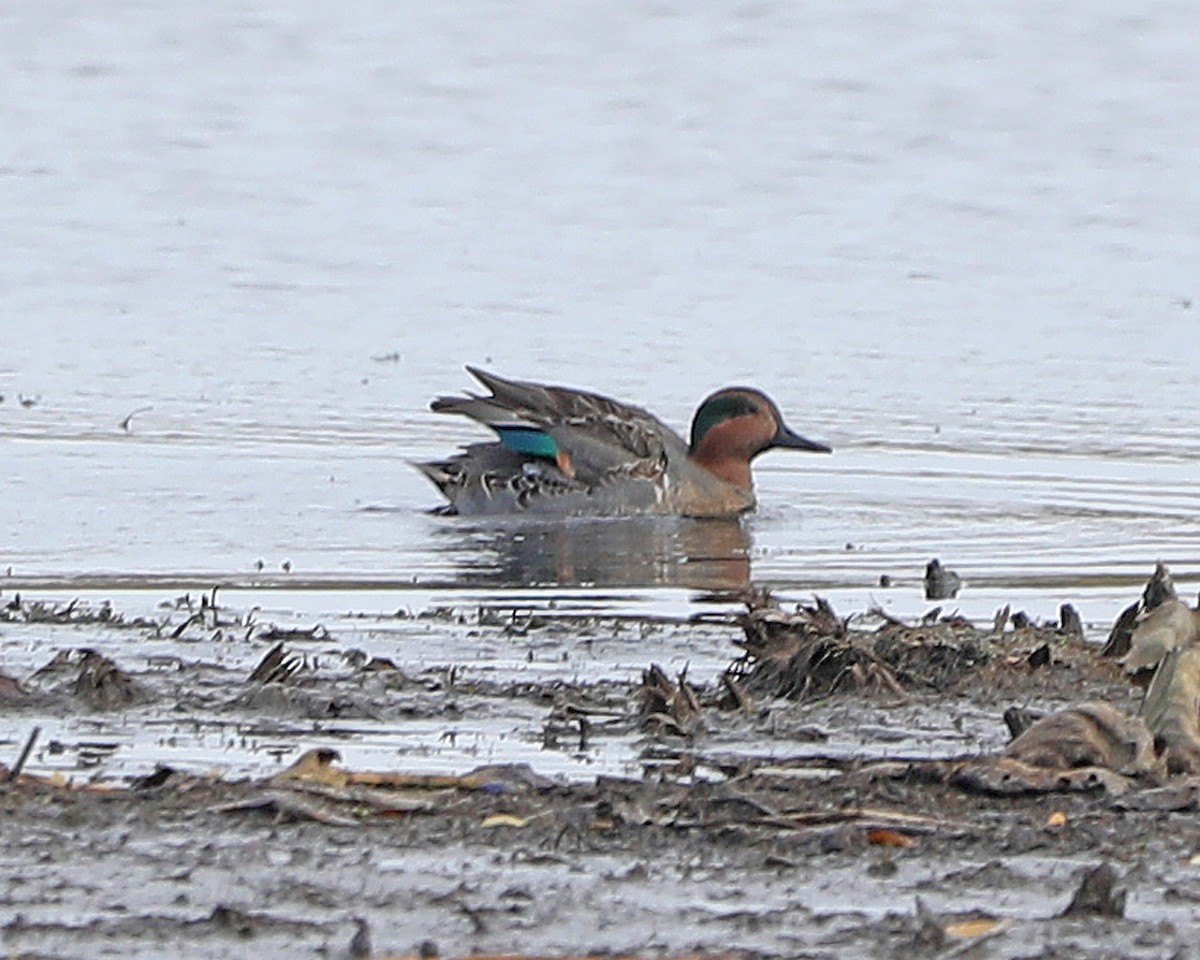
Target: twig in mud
x=877, y=611
x=568, y=710
x=288, y=805
x=378, y=800
x=194, y=618
x=741, y=699
x=869, y=817
x=1002, y=926
x=316, y=632
x=864, y=673
x=25, y=752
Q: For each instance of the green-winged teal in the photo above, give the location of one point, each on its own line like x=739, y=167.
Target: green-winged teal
x=568, y=452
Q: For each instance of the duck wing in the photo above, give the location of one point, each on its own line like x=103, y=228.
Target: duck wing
x=592, y=438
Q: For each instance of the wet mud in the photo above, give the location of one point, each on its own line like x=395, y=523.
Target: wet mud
x=766, y=780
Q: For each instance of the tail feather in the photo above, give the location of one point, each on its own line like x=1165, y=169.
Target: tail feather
x=438, y=472
x=512, y=394
x=480, y=409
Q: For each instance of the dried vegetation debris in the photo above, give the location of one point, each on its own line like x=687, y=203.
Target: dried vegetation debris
x=284, y=681
x=813, y=653
x=183, y=617
x=666, y=705
x=102, y=685
x=83, y=677
x=804, y=655
x=72, y=612
x=278, y=665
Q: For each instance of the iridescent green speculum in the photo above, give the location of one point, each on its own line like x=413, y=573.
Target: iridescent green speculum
x=528, y=440
x=718, y=410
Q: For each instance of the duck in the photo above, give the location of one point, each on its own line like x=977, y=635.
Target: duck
x=566, y=452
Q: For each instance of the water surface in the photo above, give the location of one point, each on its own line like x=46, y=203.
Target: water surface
x=958, y=244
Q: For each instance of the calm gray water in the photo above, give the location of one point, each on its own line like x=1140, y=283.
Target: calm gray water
x=959, y=242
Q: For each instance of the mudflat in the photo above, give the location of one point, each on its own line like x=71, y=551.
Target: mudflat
x=836, y=810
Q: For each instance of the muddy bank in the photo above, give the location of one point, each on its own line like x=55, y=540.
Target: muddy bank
x=791, y=860
x=771, y=782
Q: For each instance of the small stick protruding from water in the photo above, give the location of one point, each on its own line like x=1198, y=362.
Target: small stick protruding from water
x=124, y=424
x=25, y=752
x=1069, y=621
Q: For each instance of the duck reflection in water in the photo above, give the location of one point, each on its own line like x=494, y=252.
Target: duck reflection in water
x=710, y=554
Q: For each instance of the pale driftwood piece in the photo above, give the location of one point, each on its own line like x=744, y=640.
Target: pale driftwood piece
x=868, y=818
x=1169, y=626
x=286, y=803
x=381, y=801
x=1092, y=734
x=1159, y=589
x=1001, y=927
x=1171, y=710
x=1007, y=776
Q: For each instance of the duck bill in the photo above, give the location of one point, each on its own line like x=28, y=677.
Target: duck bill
x=787, y=438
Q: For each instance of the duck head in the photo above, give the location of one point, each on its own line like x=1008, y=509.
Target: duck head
x=735, y=425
